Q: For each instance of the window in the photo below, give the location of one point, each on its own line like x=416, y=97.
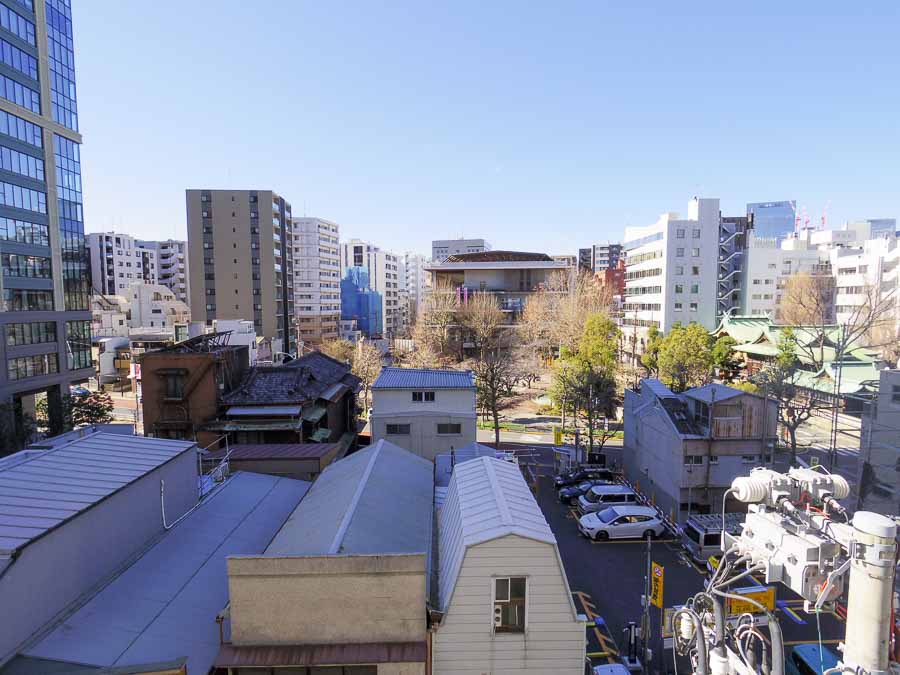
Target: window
x=419, y=396
x=449, y=429
x=679, y=252
x=678, y=306
x=429, y=396
x=32, y=366
x=397, y=429
x=679, y=288
x=509, y=604
x=895, y=394
x=750, y=459
x=30, y=333
x=695, y=271
x=713, y=459
x=679, y=269
x=695, y=252
x=696, y=233
x=175, y=384
x=693, y=307
x=693, y=460
x=695, y=288
x=679, y=234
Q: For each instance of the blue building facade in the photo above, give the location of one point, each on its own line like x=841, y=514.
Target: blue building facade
x=773, y=219
x=360, y=303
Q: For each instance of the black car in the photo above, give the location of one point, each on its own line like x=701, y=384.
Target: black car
x=581, y=474
x=570, y=494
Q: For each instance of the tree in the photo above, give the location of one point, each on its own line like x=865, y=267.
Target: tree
x=724, y=358
x=493, y=370
x=342, y=350
x=16, y=429
x=94, y=408
x=807, y=300
x=779, y=381
x=366, y=366
x=526, y=364
x=437, y=316
x=749, y=387
x=650, y=356
x=685, y=357
x=483, y=320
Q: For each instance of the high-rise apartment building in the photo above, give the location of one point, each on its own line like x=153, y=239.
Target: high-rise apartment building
x=416, y=282
x=117, y=262
x=441, y=249
x=45, y=300
x=317, y=279
x=384, y=277
x=599, y=257
x=773, y=219
x=241, y=266
x=768, y=263
x=171, y=266
x=672, y=271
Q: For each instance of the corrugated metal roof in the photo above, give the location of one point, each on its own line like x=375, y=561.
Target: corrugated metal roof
x=716, y=391
x=377, y=500
x=232, y=656
x=41, y=490
x=250, y=410
x=658, y=388
x=444, y=462
x=488, y=499
x=274, y=451
x=424, y=378
x=164, y=605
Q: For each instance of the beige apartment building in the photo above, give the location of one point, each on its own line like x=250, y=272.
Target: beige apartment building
x=241, y=262
x=317, y=279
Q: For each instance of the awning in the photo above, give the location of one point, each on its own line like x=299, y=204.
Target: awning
x=321, y=435
x=262, y=425
x=314, y=413
x=334, y=392
x=263, y=410
x=231, y=656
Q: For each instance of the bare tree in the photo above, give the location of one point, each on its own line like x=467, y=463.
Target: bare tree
x=438, y=315
x=367, y=367
x=807, y=300
x=482, y=318
x=493, y=370
x=342, y=350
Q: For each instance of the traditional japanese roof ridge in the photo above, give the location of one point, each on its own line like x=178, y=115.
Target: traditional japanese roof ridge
x=498, y=256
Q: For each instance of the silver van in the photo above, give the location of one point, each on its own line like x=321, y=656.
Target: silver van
x=701, y=535
x=602, y=497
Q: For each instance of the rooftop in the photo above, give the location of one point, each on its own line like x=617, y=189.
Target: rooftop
x=164, y=605
x=377, y=500
x=424, y=378
x=709, y=393
x=275, y=451
x=498, y=256
x=307, y=378
x=40, y=491
x=488, y=499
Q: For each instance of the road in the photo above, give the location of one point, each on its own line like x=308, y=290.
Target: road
x=607, y=581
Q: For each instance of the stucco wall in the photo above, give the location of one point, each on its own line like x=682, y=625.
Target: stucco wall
x=386, y=401
x=327, y=599
x=56, y=569
x=423, y=438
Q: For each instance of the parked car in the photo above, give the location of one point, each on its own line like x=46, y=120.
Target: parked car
x=622, y=522
x=79, y=391
x=701, y=535
x=570, y=494
x=583, y=473
x=804, y=660
x=602, y=497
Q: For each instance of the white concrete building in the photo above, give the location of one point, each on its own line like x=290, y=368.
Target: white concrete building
x=768, y=262
x=503, y=592
x=117, y=262
x=686, y=448
x=171, y=265
x=425, y=411
x=140, y=306
x=384, y=270
x=416, y=282
x=879, y=449
x=317, y=279
x=672, y=270
x=441, y=249
x=861, y=271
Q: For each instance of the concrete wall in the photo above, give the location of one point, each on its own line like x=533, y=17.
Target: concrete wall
x=327, y=599
x=553, y=642
x=56, y=569
x=423, y=438
x=879, y=449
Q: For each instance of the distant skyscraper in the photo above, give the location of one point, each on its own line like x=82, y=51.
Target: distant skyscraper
x=45, y=302
x=882, y=227
x=772, y=219
x=360, y=303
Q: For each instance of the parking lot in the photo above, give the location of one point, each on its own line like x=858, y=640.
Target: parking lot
x=607, y=581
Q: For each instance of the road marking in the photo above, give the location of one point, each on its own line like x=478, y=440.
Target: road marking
x=642, y=542
x=610, y=650
x=791, y=613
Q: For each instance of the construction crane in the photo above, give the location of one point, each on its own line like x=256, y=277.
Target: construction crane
x=797, y=533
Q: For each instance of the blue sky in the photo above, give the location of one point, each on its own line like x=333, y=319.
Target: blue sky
x=541, y=126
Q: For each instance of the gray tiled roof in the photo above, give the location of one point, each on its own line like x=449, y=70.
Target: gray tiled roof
x=424, y=378
x=304, y=379
x=39, y=490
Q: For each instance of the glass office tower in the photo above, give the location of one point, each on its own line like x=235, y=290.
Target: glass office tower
x=772, y=219
x=45, y=301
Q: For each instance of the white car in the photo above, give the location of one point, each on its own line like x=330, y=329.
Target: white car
x=622, y=522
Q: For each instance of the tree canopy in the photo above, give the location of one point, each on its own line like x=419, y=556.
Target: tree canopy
x=685, y=357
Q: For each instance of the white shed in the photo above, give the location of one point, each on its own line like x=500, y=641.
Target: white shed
x=502, y=587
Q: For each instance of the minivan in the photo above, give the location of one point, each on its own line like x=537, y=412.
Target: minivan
x=602, y=497
x=701, y=535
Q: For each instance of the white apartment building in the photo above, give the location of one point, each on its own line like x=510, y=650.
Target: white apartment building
x=317, y=279
x=768, y=262
x=171, y=265
x=140, y=306
x=441, y=249
x=859, y=271
x=415, y=281
x=117, y=262
x=672, y=270
x=385, y=275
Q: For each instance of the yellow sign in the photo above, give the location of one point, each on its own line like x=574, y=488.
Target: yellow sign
x=657, y=575
x=764, y=596
x=557, y=436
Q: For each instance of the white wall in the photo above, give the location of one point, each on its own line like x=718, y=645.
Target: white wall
x=389, y=401
x=423, y=438
x=554, y=640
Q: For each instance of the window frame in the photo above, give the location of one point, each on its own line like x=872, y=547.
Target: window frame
x=388, y=427
x=500, y=630
x=457, y=425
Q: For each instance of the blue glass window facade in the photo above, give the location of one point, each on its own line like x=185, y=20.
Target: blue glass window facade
x=22, y=164
x=75, y=261
x=19, y=94
x=20, y=60
x=772, y=219
x=17, y=25
x=61, y=56
x=21, y=130
x=23, y=198
x=24, y=232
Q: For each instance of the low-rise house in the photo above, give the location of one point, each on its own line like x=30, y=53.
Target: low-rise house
x=424, y=410
x=503, y=597
x=685, y=449
x=112, y=562
x=879, y=449
x=344, y=582
x=304, y=461
x=309, y=399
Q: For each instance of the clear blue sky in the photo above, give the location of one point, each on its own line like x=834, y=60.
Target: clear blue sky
x=542, y=126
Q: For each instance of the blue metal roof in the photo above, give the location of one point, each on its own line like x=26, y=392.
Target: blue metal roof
x=424, y=378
